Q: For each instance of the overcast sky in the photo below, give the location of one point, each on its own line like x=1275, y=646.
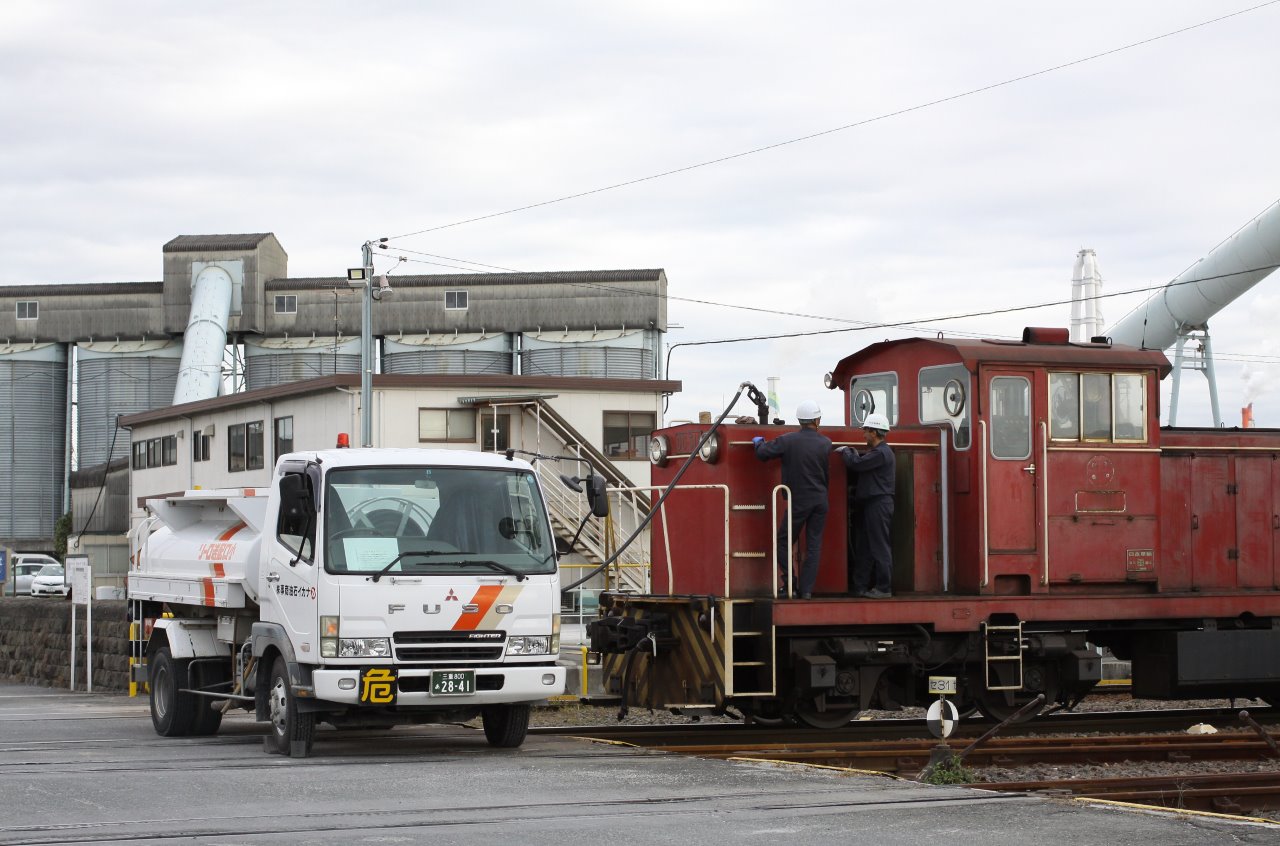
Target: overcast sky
x=331, y=123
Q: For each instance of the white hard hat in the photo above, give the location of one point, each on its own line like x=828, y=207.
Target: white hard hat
x=808, y=410
x=876, y=421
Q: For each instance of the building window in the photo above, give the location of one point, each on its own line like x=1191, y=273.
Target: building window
x=140, y=455
x=30, y=309
x=626, y=434
x=283, y=436
x=169, y=450
x=447, y=424
x=235, y=448
x=455, y=300
x=255, y=446
x=495, y=432
x=286, y=303
x=153, y=452
x=200, y=447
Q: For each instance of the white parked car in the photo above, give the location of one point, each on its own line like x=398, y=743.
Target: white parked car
x=25, y=567
x=51, y=581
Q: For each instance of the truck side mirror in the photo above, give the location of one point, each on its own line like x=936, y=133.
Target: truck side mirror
x=597, y=497
x=295, y=497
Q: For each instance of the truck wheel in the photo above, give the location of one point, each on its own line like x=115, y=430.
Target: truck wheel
x=505, y=726
x=291, y=732
x=172, y=712
x=208, y=712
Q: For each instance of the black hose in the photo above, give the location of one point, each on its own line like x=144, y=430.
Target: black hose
x=667, y=491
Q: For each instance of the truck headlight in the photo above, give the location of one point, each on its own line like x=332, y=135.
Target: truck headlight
x=539, y=645
x=364, y=647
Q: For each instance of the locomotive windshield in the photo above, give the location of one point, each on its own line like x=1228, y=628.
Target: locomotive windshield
x=435, y=520
x=944, y=393
x=875, y=392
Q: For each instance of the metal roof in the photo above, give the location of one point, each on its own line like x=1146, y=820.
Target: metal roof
x=203, y=243
x=464, y=280
x=974, y=352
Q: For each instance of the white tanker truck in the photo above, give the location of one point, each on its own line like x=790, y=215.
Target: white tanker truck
x=365, y=588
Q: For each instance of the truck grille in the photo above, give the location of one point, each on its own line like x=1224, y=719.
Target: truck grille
x=449, y=646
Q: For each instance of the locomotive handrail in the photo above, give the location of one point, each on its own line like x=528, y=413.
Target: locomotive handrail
x=944, y=482
x=982, y=430
x=773, y=502
x=1044, y=499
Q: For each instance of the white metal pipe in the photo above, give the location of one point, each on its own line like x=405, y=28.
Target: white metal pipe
x=1202, y=290
x=200, y=372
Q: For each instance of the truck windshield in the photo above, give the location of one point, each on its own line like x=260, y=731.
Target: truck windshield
x=436, y=520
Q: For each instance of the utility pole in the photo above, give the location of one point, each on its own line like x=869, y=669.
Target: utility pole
x=362, y=277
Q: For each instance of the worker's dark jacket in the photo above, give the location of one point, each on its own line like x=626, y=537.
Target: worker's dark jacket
x=874, y=472
x=804, y=457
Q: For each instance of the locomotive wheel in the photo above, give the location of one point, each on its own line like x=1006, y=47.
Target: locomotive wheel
x=816, y=713
x=1000, y=705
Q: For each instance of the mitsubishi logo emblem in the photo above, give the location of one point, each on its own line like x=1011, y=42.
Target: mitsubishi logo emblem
x=452, y=597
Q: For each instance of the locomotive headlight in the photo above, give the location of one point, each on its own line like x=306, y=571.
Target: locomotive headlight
x=658, y=451
x=710, y=450
x=364, y=647
x=540, y=645
x=829, y=379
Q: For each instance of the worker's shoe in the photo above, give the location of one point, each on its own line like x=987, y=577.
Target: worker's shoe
x=878, y=594
x=806, y=596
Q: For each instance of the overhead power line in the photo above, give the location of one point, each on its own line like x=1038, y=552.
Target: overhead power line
x=856, y=124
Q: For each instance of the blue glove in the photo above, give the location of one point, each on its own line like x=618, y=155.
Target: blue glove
x=757, y=440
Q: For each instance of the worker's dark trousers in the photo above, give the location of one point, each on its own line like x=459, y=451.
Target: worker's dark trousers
x=872, y=556
x=810, y=519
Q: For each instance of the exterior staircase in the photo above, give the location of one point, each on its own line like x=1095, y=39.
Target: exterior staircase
x=552, y=435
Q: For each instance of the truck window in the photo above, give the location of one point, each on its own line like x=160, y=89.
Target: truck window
x=437, y=519
x=296, y=530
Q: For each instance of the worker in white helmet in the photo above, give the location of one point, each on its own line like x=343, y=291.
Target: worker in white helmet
x=872, y=509
x=805, y=458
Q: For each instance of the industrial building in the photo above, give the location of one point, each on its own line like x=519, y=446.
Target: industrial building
x=98, y=378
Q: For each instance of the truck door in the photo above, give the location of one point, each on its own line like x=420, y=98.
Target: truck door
x=1010, y=469
x=290, y=581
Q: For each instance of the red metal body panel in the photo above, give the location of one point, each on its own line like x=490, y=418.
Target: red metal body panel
x=1168, y=524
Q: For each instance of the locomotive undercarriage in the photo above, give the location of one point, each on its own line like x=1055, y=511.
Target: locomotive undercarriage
x=683, y=653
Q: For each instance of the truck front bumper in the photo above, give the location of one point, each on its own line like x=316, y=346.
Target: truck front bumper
x=495, y=685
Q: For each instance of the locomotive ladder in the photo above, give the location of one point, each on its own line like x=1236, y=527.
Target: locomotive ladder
x=749, y=648
x=1005, y=640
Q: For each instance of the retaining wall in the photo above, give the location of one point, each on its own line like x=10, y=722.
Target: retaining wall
x=35, y=643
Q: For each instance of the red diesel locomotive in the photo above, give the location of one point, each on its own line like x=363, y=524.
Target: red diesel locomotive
x=1040, y=509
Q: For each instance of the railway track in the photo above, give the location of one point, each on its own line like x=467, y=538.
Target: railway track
x=676, y=736
x=1062, y=740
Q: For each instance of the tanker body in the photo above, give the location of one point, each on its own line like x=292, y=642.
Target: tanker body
x=364, y=588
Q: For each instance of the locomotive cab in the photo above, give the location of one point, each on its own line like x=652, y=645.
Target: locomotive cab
x=1040, y=460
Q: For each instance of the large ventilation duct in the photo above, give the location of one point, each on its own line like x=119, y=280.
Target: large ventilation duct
x=1205, y=288
x=200, y=373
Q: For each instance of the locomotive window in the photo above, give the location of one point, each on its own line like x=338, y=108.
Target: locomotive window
x=944, y=399
x=1129, y=400
x=1064, y=406
x=1096, y=405
x=872, y=393
x=1010, y=417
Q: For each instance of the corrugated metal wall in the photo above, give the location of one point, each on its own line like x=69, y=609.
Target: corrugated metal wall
x=115, y=379
x=33, y=444
x=460, y=354
x=278, y=361
x=627, y=354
